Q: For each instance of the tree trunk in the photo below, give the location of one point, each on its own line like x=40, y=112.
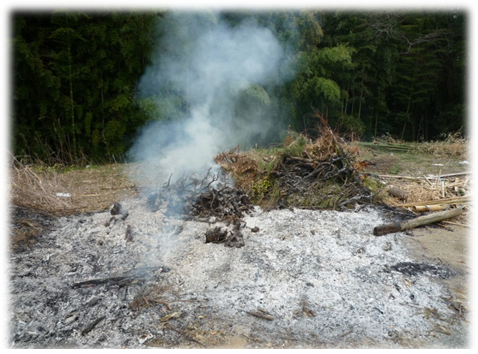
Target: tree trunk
x=72, y=111
x=409, y=100
x=360, y=100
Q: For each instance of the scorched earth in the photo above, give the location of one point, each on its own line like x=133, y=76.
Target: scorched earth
x=300, y=279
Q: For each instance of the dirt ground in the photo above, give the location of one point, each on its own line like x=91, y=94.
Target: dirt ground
x=446, y=243
x=449, y=245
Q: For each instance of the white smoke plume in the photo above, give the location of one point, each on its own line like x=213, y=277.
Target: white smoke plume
x=205, y=90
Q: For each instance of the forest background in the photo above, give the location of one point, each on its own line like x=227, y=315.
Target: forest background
x=76, y=74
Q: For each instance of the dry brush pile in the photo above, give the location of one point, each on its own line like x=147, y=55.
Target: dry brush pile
x=447, y=187
x=320, y=174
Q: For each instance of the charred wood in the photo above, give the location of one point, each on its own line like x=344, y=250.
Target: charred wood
x=89, y=327
x=131, y=277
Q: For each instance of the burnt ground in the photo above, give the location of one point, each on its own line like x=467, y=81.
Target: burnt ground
x=286, y=278
x=302, y=279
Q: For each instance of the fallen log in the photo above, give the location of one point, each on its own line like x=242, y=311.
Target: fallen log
x=419, y=221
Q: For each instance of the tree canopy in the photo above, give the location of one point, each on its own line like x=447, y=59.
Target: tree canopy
x=79, y=93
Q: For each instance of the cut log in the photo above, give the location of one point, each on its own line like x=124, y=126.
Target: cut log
x=420, y=221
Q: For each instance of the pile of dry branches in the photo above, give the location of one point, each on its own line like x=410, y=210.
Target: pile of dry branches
x=201, y=197
x=319, y=174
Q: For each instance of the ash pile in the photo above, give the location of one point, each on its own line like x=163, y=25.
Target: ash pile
x=154, y=272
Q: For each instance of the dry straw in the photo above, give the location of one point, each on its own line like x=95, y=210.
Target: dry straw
x=37, y=189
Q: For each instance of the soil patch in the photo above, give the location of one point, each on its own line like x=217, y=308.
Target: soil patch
x=448, y=245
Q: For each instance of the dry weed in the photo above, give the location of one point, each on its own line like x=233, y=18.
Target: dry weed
x=242, y=166
x=454, y=145
x=424, y=195
x=37, y=189
x=62, y=193
x=388, y=139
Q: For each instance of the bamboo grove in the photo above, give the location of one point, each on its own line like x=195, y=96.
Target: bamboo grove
x=75, y=74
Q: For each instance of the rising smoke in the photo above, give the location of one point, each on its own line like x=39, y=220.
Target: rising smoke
x=205, y=92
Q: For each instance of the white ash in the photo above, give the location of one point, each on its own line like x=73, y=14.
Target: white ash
x=322, y=275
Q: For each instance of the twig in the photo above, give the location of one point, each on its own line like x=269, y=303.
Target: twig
x=214, y=179
x=456, y=223
x=346, y=333
x=92, y=325
x=455, y=200
x=125, y=279
x=420, y=178
x=169, y=181
x=261, y=314
x=205, y=177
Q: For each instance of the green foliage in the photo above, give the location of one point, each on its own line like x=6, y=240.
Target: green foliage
x=75, y=75
x=256, y=93
x=262, y=187
x=295, y=144
x=327, y=88
x=403, y=73
x=74, y=80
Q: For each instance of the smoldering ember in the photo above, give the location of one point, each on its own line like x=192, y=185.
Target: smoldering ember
x=195, y=264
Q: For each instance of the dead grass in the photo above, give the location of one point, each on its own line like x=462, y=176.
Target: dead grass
x=451, y=191
x=37, y=188
x=453, y=145
x=60, y=191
